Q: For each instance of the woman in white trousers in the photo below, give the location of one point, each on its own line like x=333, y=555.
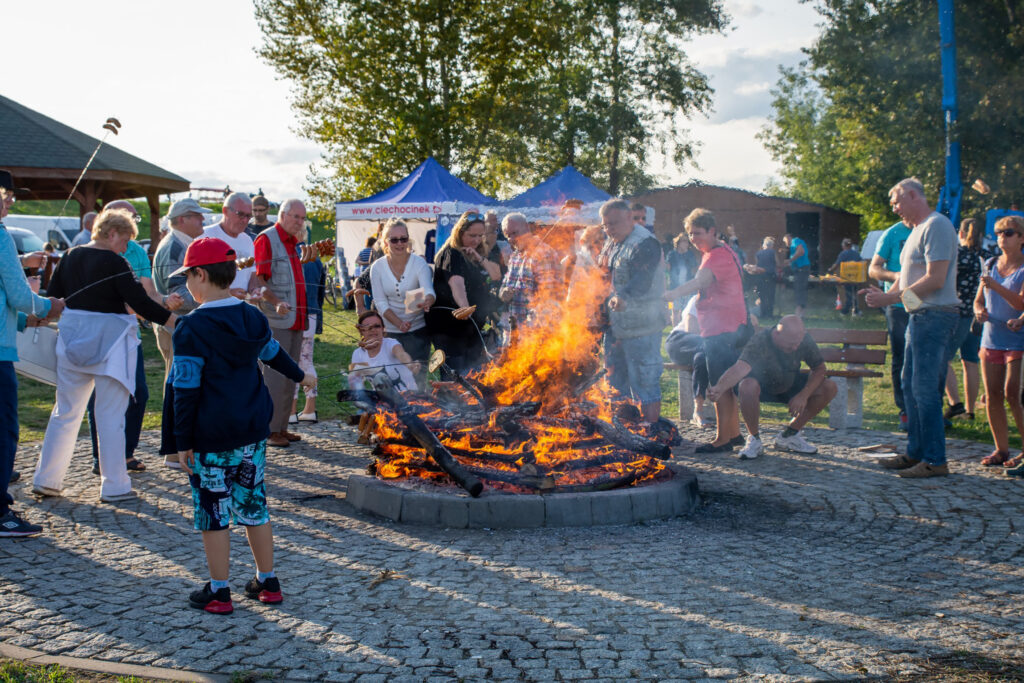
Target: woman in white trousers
x=96, y=349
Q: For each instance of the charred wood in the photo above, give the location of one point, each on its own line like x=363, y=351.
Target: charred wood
x=419, y=430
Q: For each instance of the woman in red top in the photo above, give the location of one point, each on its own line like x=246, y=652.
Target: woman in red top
x=721, y=312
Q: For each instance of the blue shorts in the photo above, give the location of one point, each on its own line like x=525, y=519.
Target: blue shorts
x=229, y=485
x=720, y=352
x=635, y=366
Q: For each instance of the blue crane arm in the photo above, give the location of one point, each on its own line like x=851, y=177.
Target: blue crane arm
x=951, y=193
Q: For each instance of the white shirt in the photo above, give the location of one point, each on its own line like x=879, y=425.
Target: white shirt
x=389, y=291
x=385, y=359
x=242, y=244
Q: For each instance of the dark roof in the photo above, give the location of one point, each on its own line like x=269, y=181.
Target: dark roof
x=697, y=183
x=32, y=140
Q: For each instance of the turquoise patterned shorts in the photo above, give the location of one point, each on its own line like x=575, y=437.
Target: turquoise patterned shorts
x=229, y=485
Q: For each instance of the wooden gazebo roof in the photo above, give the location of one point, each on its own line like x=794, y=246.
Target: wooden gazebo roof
x=46, y=156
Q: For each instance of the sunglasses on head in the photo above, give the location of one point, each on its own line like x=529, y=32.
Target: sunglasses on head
x=1007, y=233
x=398, y=240
x=474, y=217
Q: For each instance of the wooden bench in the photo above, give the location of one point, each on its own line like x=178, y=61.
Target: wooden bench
x=837, y=345
x=850, y=347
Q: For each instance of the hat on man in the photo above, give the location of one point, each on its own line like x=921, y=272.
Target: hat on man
x=260, y=200
x=184, y=206
x=206, y=251
x=7, y=182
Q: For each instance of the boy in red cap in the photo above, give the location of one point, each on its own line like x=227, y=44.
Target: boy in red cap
x=216, y=418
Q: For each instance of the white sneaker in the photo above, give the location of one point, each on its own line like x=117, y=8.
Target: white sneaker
x=752, y=449
x=293, y=419
x=46, y=491
x=794, y=444
x=119, y=497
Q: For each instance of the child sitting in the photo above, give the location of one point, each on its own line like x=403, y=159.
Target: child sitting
x=377, y=353
x=216, y=418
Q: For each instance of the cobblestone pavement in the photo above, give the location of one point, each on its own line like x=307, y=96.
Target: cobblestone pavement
x=794, y=568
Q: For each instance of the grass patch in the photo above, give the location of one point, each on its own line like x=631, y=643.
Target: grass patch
x=12, y=671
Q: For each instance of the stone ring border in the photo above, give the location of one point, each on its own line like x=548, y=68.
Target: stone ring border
x=494, y=510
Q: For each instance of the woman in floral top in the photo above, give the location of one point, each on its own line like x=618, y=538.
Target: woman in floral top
x=970, y=258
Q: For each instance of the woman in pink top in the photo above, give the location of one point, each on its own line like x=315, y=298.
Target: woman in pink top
x=721, y=310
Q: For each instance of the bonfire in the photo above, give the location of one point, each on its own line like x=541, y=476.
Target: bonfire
x=539, y=417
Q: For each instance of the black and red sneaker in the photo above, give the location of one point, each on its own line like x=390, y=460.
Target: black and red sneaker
x=268, y=591
x=218, y=602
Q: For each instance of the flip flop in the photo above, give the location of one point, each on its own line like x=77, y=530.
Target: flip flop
x=135, y=465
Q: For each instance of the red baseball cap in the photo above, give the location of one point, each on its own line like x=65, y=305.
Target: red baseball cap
x=205, y=251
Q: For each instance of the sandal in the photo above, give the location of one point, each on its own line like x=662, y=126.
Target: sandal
x=995, y=459
x=1015, y=460
x=135, y=465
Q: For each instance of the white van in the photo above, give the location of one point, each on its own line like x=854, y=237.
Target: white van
x=59, y=231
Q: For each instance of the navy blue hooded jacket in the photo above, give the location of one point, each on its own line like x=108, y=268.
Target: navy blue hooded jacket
x=215, y=399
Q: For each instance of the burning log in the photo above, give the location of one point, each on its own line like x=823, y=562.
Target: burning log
x=430, y=443
x=627, y=439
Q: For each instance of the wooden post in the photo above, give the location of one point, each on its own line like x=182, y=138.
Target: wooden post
x=153, y=200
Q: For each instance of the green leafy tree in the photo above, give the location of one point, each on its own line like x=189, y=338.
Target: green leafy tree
x=503, y=93
x=864, y=110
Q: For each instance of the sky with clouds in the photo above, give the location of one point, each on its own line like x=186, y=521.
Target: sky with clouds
x=194, y=98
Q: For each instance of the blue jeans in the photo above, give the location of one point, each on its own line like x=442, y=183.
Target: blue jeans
x=133, y=415
x=8, y=430
x=635, y=366
x=924, y=373
x=896, y=320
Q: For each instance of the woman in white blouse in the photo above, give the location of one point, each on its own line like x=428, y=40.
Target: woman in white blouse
x=391, y=277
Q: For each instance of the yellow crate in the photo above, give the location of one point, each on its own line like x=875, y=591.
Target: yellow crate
x=853, y=271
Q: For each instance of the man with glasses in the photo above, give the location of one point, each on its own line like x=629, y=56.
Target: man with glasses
x=259, y=222
x=927, y=287
x=18, y=300
x=534, y=277
x=237, y=210
x=186, y=224
x=279, y=274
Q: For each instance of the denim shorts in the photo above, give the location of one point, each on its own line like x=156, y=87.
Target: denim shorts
x=721, y=352
x=635, y=366
x=229, y=485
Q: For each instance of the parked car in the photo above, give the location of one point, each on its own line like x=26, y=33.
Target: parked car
x=25, y=241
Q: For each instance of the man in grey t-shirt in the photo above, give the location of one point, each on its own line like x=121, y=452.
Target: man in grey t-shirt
x=927, y=287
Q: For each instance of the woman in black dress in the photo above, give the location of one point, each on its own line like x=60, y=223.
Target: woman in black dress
x=462, y=273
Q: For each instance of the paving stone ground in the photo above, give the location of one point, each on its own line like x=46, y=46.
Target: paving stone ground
x=794, y=568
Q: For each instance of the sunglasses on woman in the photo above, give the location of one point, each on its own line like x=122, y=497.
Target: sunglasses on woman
x=474, y=217
x=398, y=240
x=1007, y=233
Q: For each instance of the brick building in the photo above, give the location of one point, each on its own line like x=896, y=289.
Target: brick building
x=755, y=216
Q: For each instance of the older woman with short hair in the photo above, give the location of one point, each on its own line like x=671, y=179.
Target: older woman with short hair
x=392, y=278
x=96, y=348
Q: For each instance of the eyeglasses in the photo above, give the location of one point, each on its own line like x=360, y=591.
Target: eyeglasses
x=1006, y=233
x=398, y=240
x=301, y=217
x=258, y=209
x=241, y=214
x=367, y=328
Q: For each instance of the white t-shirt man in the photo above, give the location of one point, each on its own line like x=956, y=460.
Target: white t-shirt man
x=243, y=249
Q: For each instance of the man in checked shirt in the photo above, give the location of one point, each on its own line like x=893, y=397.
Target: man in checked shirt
x=534, y=277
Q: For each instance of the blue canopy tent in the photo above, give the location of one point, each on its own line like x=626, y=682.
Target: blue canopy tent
x=428, y=196
x=553, y=192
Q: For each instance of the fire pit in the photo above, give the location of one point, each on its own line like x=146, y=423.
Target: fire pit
x=537, y=419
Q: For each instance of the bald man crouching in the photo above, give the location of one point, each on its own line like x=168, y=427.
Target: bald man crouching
x=769, y=370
